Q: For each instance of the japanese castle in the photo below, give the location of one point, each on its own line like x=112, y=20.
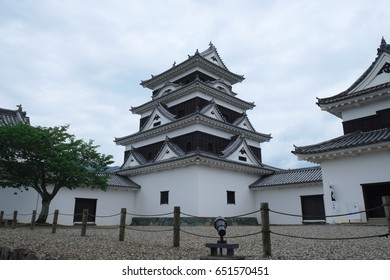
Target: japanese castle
x=196, y=148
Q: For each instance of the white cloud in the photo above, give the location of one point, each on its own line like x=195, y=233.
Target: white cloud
x=81, y=62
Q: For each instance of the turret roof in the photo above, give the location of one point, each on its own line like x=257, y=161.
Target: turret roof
x=13, y=116
x=373, y=83
x=208, y=60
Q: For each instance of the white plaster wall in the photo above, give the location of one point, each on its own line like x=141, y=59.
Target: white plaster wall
x=23, y=202
x=286, y=200
x=198, y=190
x=108, y=203
x=366, y=110
x=181, y=184
x=346, y=175
x=213, y=197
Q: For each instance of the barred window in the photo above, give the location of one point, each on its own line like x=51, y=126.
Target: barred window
x=164, y=196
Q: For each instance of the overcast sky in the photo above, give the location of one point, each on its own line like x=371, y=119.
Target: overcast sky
x=81, y=62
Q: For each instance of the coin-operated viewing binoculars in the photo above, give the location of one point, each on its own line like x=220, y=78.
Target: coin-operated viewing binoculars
x=220, y=225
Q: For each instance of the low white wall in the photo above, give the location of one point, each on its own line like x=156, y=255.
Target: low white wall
x=108, y=203
x=284, y=199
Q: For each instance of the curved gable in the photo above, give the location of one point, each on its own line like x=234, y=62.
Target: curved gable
x=239, y=151
x=244, y=123
x=134, y=159
x=167, y=88
x=159, y=116
x=168, y=151
x=212, y=111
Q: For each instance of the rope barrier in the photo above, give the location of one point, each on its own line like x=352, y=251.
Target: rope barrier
x=246, y=214
x=194, y=216
x=196, y=234
x=8, y=215
x=103, y=216
x=149, y=215
x=170, y=229
x=189, y=215
x=113, y=215
x=230, y=217
x=327, y=216
x=63, y=214
x=149, y=230
x=245, y=235
x=331, y=239
x=21, y=214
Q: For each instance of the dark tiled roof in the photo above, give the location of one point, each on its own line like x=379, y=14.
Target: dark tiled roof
x=197, y=156
x=188, y=89
x=197, y=58
x=290, y=177
x=115, y=180
x=347, y=95
x=13, y=116
x=188, y=120
x=348, y=141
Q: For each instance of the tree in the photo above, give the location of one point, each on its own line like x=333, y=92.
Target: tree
x=48, y=159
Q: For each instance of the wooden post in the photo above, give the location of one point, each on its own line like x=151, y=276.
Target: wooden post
x=14, y=219
x=33, y=217
x=176, y=226
x=55, y=220
x=386, y=206
x=84, y=222
x=1, y=219
x=265, y=230
x=122, y=225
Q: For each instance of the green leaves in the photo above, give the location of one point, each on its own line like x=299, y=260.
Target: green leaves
x=48, y=159
x=39, y=157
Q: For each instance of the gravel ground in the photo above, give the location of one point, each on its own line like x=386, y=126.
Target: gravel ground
x=151, y=243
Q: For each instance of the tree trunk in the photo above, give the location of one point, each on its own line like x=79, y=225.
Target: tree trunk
x=44, y=211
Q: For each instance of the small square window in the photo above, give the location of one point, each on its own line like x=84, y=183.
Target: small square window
x=164, y=196
x=231, y=197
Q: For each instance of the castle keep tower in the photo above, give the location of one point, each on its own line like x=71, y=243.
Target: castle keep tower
x=195, y=147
